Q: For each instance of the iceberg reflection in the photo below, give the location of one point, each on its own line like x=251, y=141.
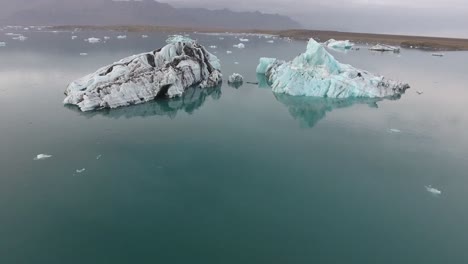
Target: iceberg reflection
x=192, y=99
x=310, y=110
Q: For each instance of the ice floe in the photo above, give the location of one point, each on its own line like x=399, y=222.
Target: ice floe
x=236, y=78
x=394, y=130
x=42, y=157
x=317, y=73
x=243, y=40
x=80, y=170
x=121, y=37
x=383, y=47
x=165, y=72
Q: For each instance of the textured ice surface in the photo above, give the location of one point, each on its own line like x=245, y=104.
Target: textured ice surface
x=42, y=157
x=317, y=73
x=338, y=44
x=165, y=72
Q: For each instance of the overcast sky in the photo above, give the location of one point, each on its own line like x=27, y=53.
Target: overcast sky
x=422, y=17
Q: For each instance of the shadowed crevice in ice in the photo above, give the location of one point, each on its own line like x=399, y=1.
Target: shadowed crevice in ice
x=165, y=72
x=310, y=110
x=191, y=100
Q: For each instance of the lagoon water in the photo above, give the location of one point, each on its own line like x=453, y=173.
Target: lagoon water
x=230, y=175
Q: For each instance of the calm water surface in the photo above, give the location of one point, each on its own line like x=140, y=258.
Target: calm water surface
x=230, y=175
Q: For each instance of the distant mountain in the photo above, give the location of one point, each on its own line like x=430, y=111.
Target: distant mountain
x=147, y=12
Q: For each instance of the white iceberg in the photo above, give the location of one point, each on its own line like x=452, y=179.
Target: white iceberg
x=339, y=44
x=239, y=46
x=42, y=157
x=236, y=78
x=243, y=40
x=433, y=191
x=165, y=72
x=317, y=73
x=93, y=40
x=121, y=37
x=383, y=47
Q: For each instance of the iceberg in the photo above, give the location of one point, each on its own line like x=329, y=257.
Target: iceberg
x=165, y=72
x=433, y=190
x=383, y=47
x=121, y=37
x=317, y=73
x=338, y=44
x=243, y=40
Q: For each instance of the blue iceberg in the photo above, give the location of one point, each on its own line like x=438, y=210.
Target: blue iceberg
x=317, y=73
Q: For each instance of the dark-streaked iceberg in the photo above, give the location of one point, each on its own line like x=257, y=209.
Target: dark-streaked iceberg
x=166, y=72
x=317, y=73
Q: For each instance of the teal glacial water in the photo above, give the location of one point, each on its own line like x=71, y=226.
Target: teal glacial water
x=230, y=175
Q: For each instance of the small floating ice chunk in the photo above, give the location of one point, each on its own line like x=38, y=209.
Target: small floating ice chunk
x=383, y=47
x=144, y=36
x=83, y=54
x=243, y=40
x=93, y=40
x=74, y=37
x=394, y=130
x=419, y=92
x=221, y=38
x=235, y=78
x=98, y=157
x=213, y=47
x=228, y=52
x=239, y=46
x=80, y=171
x=42, y=157
x=432, y=190
x=106, y=38
x=339, y=44
x=236, y=62
x=121, y=37
x=270, y=41
x=2, y=44
x=20, y=38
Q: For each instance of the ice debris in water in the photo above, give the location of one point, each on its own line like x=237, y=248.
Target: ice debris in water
x=221, y=38
x=236, y=62
x=235, y=78
x=271, y=41
x=317, y=73
x=165, y=72
x=2, y=44
x=121, y=37
x=432, y=190
x=93, y=40
x=98, y=157
x=74, y=37
x=339, y=44
x=243, y=40
x=228, y=52
x=239, y=46
x=83, y=54
x=80, y=171
x=106, y=38
x=383, y=47
x=213, y=47
x=144, y=36
x=394, y=130
x=42, y=157
x=20, y=38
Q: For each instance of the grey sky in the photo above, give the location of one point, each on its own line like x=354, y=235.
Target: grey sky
x=422, y=17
